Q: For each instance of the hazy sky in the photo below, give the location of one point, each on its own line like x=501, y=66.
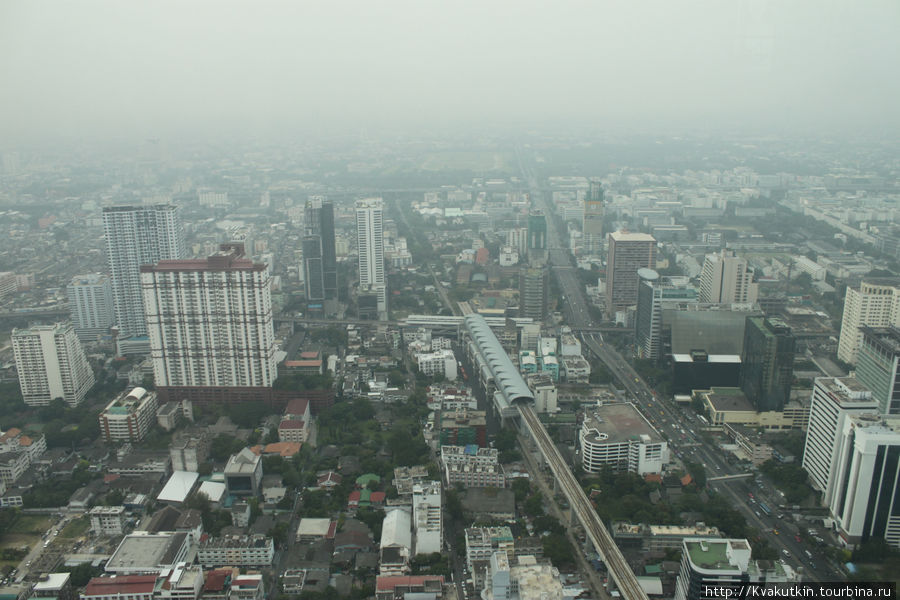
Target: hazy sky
x=130, y=68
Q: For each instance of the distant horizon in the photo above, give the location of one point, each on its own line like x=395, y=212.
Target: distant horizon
x=102, y=70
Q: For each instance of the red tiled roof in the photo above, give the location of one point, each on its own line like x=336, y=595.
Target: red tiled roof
x=303, y=363
x=215, y=580
x=377, y=497
x=290, y=424
x=354, y=496
x=110, y=477
x=123, y=584
x=653, y=478
x=389, y=582
x=309, y=354
x=330, y=476
x=297, y=406
x=332, y=528
x=686, y=479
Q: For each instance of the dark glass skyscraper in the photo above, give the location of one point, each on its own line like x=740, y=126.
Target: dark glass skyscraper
x=767, y=363
x=320, y=264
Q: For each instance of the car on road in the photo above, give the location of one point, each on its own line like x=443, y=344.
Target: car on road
x=785, y=552
x=798, y=538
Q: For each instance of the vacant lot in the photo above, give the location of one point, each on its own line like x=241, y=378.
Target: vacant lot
x=32, y=524
x=76, y=528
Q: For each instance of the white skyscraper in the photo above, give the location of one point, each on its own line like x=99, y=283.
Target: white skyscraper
x=210, y=327
x=866, y=501
x=51, y=364
x=834, y=400
x=136, y=236
x=875, y=303
x=91, y=305
x=370, y=243
x=725, y=279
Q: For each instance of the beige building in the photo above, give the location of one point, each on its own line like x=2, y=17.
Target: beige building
x=727, y=405
x=875, y=303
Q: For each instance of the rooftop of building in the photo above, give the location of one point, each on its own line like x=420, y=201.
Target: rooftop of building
x=141, y=551
x=127, y=402
x=629, y=236
x=886, y=339
x=244, y=462
x=230, y=257
x=51, y=582
x=729, y=399
x=847, y=389
x=619, y=422
x=713, y=554
x=178, y=486
x=122, y=585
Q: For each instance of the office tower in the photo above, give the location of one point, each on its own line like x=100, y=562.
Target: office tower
x=370, y=243
x=135, y=236
x=319, y=222
x=313, y=272
x=210, y=327
x=866, y=502
x=713, y=567
x=592, y=226
x=537, y=238
x=834, y=400
x=877, y=366
x=726, y=279
x=653, y=293
x=628, y=252
x=51, y=364
x=91, y=305
x=534, y=283
x=767, y=363
x=875, y=303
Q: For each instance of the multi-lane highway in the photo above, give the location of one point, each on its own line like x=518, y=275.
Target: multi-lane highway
x=619, y=570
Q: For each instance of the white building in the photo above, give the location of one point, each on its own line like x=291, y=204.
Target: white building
x=802, y=264
x=509, y=256
x=545, y=393
x=51, y=364
x=129, y=416
x=396, y=543
x=619, y=436
x=569, y=345
x=427, y=517
x=12, y=466
x=866, y=504
x=726, y=279
x=210, y=326
x=481, y=543
x=91, y=304
x=576, y=369
x=877, y=304
x=528, y=580
x=442, y=362
x=472, y=466
x=237, y=551
x=834, y=400
x=370, y=244
x=108, y=520
x=135, y=236
x=724, y=565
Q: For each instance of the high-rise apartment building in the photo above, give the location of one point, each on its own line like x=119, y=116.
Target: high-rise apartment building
x=875, y=303
x=833, y=401
x=726, y=279
x=628, y=252
x=592, y=225
x=319, y=256
x=313, y=270
x=534, y=283
x=91, y=305
x=370, y=243
x=210, y=327
x=655, y=292
x=866, y=502
x=767, y=363
x=51, y=364
x=878, y=366
x=136, y=236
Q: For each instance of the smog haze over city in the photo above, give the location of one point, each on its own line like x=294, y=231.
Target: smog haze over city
x=407, y=300
x=162, y=69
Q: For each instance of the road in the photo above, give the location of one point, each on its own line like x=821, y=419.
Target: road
x=619, y=570
x=676, y=424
